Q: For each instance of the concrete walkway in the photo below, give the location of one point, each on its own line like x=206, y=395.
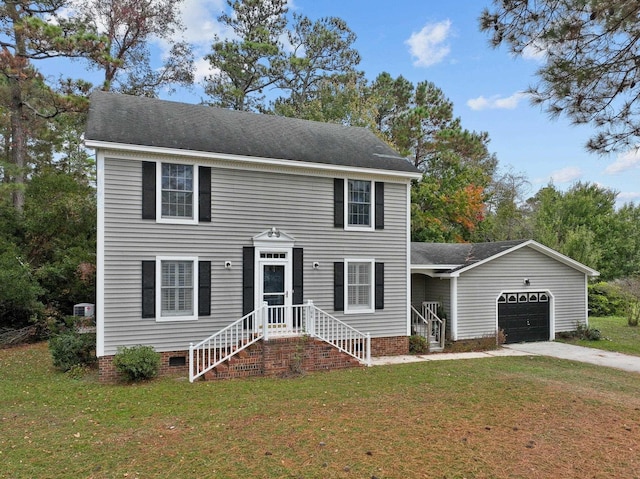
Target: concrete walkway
x=579, y=353
x=548, y=348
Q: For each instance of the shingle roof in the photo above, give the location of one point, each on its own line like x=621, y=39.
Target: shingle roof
x=459, y=254
x=126, y=119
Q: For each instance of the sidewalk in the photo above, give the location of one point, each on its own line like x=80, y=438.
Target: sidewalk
x=546, y=348
x=416, y=358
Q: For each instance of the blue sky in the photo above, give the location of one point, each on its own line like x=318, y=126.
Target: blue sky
x=440, y=41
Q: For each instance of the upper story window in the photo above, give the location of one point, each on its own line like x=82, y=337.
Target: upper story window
x=359, y=203
x=177, y=191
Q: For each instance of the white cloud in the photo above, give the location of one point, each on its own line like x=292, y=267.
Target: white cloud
x=566, y=175
x=200, y=17
x=429, y=46
x=496, y=102
x=625, y=161
x=202, y=69
x=627, y=197
x=536, y=51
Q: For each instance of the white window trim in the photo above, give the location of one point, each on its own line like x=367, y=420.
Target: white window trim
x=164, y=319
x=372, y=207
x=179, y=221
x=372, y=277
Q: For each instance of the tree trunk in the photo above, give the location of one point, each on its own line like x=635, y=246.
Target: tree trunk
x=18, y=146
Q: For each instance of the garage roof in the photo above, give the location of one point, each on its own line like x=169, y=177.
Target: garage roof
x=452, y=259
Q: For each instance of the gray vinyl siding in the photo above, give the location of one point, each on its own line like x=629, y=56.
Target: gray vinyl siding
x=244, y=203
x=479, y=288
x=439, y=290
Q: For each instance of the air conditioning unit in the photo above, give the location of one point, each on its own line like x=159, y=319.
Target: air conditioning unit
x=84, y=309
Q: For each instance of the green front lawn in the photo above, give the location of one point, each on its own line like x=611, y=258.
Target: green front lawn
x=616, y=335
x=522, y=417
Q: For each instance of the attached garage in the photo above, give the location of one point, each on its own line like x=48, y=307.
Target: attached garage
x=523, y=288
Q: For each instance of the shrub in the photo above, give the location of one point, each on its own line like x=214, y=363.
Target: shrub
x=71, y=349
x=418, y=344
x=606, y=299
x=137, y=363
x=582, y=332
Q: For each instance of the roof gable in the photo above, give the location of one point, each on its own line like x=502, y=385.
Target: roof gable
x=454, y=259
x=130, y=120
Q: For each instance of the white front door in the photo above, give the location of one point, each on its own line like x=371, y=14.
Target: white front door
x=274, y=288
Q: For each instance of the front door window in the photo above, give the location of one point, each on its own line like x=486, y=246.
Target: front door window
x=273, y=287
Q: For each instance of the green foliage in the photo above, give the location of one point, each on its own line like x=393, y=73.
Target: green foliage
x=590, y=61
x=137, y=363
x=60, y=237
x=631, y=288
x=418, y=344
x=581, y=333
x=19, y=290
x=583, y=224
x=606, y=299
x=129, y=26
x=71, y=349
x=253, y=60
x=588, y=333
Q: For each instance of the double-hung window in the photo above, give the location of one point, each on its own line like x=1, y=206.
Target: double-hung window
x=359, y=206
x=177, y=298
x=359, y=286
x=177, y=191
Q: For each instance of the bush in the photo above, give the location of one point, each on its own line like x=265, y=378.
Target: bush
x=72, y=349
x=137, y=363
x=582, y=332
x=418, y=344
x=606, y=299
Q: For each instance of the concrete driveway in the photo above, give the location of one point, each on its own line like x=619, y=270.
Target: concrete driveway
x=579, y=353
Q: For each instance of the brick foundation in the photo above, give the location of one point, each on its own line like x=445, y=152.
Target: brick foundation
x=276, y=357
x=107, y=372
x=392, y=346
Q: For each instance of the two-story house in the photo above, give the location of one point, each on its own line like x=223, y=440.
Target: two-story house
x=225, y=233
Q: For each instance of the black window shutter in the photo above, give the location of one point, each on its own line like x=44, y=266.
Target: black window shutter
x=148, y=289
x=148, y=190
x=204, y=288
x=338, y=286
x=379, y=286
x=379, y=205
x=204, y=194
x=248, y=303
x=338, y=202
x=298, y=282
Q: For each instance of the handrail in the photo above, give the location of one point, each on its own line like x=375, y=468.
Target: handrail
x=277, y=320
x=220, y=346
x=430, y=327
x=339, y=334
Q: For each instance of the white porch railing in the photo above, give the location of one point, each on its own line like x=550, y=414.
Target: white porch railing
x=217, y=348
x=429, y=325
x=277, y=321
x=331, y=330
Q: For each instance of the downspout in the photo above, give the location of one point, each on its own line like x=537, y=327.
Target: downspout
x=100, y=276
x=408, y=255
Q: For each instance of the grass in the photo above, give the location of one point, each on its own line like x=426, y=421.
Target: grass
x=616, y=335
x=523, y=417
